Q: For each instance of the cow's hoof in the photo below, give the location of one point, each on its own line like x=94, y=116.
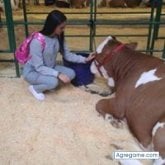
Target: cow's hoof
x=96, y=89
x=105, y=93
x=116, y=123
x=101, y=113
x=113, y=121
x=100, y=108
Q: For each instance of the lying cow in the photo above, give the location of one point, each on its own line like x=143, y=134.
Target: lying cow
x=124, y=3
x=139, y=84
x=133, y=3
x=79, y=3
x=119, y=3
x=62, y=3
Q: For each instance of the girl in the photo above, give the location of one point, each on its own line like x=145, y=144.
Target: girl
x=41, y=71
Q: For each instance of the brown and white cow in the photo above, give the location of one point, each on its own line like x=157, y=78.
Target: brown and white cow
x=139, y=85
x=119, y=3
x=62, y=3
x=124, y=3
x=79, y=3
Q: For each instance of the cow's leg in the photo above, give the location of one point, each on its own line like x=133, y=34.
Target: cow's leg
x=159, y=141
x=108, y=106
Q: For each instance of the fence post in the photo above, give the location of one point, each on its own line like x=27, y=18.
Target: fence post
x=25, y=18
x=150, y=30
x=91, y=24
x=156, y=24
x=10, y=30
x=157, y=17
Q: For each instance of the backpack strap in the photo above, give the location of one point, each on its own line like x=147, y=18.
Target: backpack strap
x=39, y=37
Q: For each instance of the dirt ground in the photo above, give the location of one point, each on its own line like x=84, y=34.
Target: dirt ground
x=64, y=129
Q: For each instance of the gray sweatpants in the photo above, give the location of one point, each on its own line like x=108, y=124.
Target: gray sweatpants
x=42, y=82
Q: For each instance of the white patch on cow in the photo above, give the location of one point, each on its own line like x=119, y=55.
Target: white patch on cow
x=101, y=46
x=93, y=68
x=104, y=72
x=111, y=82
x=156, y=127
x=125, y=5
x=130, y=162
x=95, y=71
x=147, y=77
x=159, y=161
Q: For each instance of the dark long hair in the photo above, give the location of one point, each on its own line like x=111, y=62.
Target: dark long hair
x=54, y=19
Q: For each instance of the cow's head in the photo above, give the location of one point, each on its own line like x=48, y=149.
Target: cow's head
x=104, y=53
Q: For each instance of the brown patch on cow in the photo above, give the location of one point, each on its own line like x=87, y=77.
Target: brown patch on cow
x=118, y=3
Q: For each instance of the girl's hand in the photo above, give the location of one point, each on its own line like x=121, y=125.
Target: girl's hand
x=90, y=57
x=64, y=78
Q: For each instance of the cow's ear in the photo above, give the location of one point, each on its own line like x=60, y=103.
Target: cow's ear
x=132, y=45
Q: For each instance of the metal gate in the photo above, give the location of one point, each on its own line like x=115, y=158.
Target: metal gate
x=94, y=20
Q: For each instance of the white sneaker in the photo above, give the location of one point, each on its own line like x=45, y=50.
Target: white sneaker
x=38, y=96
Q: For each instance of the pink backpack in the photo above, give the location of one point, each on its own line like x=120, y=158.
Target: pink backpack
x=22, y=52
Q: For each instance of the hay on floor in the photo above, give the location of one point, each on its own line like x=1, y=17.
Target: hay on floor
x=64, y=129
